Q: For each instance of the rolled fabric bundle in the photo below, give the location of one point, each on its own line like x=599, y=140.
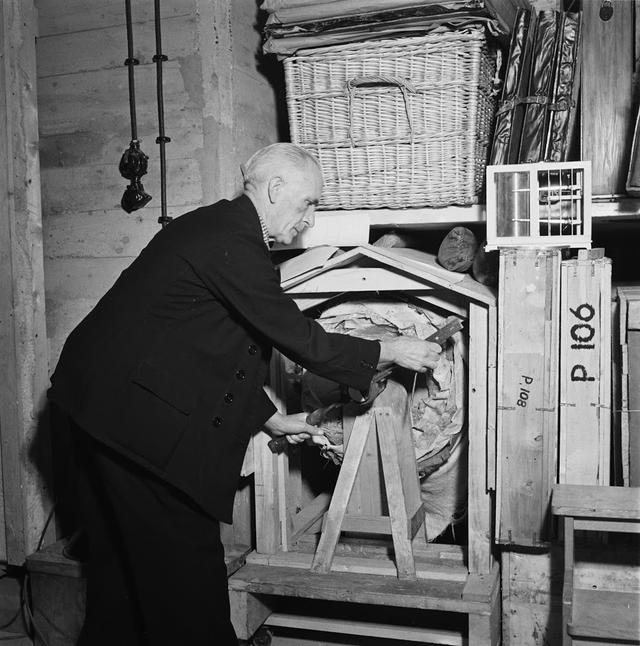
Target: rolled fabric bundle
x=435, y=401
x=458, y=249
x=485, y=267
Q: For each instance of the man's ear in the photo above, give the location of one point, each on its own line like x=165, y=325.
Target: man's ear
x=274, y=187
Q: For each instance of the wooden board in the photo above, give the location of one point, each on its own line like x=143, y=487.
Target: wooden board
x=481, y=429
x=367, y=496
x=585, y=371
x=633, y=413
x=584, y=501
x=24, y=437
x=608, y=615
x=527, y=422
x=356, y=588
x=607, y=91
x=629, y=379
x=381, y=565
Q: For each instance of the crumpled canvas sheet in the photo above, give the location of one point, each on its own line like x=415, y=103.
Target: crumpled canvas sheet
x=437, y=399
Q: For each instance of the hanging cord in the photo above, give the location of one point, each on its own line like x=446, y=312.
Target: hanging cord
x=133, y=163
x=162, y=139
x=130, y=63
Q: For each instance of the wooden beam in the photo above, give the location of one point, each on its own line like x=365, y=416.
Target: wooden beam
x=23, y=338
x=479, y=500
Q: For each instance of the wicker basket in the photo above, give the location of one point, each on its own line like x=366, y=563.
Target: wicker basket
x=396, y=123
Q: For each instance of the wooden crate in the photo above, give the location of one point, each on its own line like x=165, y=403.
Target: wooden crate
x=286, y=516
x=527, y=420
x=585, y=369
x=58, y=593
x=532, y=588
x=629, y=412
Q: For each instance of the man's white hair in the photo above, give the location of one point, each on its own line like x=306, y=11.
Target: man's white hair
x=281, y=156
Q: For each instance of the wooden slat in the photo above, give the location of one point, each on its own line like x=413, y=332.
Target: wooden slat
x=426, y=552
x=397, y=497
x=567, y=583
x=368, y=629
x=23, y=338
x=367, y=496
x=309, y=514
x=361, y=279
x=485, y=587
x=606, y=614
x=342, y=493
x=606, y=376
x=527, y=392
x=367, y=524
x=584, y=501
x=629, y=339
x=633, y=412
x=633, y=315
x=247, y=612
x=492, y=394
x=382, y=565
x=593, y=525
x=479, y=502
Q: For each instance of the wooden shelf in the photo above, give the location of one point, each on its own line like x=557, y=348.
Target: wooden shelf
x=604, y=209
x=368, y=629
x=590, y=501
x=352, y=587
x=605, y=614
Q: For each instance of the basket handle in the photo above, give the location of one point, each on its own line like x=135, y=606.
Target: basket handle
x=402, y=84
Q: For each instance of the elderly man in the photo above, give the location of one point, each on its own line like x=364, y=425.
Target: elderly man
x=163, y=384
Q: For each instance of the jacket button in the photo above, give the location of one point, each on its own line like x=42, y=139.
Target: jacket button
x=217, y=421
x=253, y=349
x=240, y=375
x=228, y=397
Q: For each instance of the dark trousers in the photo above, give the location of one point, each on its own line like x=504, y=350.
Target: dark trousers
x=156, y=574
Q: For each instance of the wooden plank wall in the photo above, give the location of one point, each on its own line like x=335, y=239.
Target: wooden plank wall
x=24, y=503
x=219, y=108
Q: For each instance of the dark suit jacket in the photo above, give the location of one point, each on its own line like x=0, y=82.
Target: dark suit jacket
x=168, y=368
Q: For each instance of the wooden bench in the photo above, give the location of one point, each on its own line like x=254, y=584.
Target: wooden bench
x=597, y=614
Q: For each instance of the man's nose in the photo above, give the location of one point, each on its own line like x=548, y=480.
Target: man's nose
x=310, y=217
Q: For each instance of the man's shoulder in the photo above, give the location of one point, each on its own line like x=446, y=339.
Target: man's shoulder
x=225, y=225
x=233, y=215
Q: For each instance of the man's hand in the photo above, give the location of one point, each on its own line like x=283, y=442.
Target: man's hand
x=409, y=352
x=293, y=426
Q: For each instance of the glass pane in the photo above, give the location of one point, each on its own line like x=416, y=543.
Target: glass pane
x=512, y=203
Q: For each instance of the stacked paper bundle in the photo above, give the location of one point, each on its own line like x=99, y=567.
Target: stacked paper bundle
x=303, y=24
